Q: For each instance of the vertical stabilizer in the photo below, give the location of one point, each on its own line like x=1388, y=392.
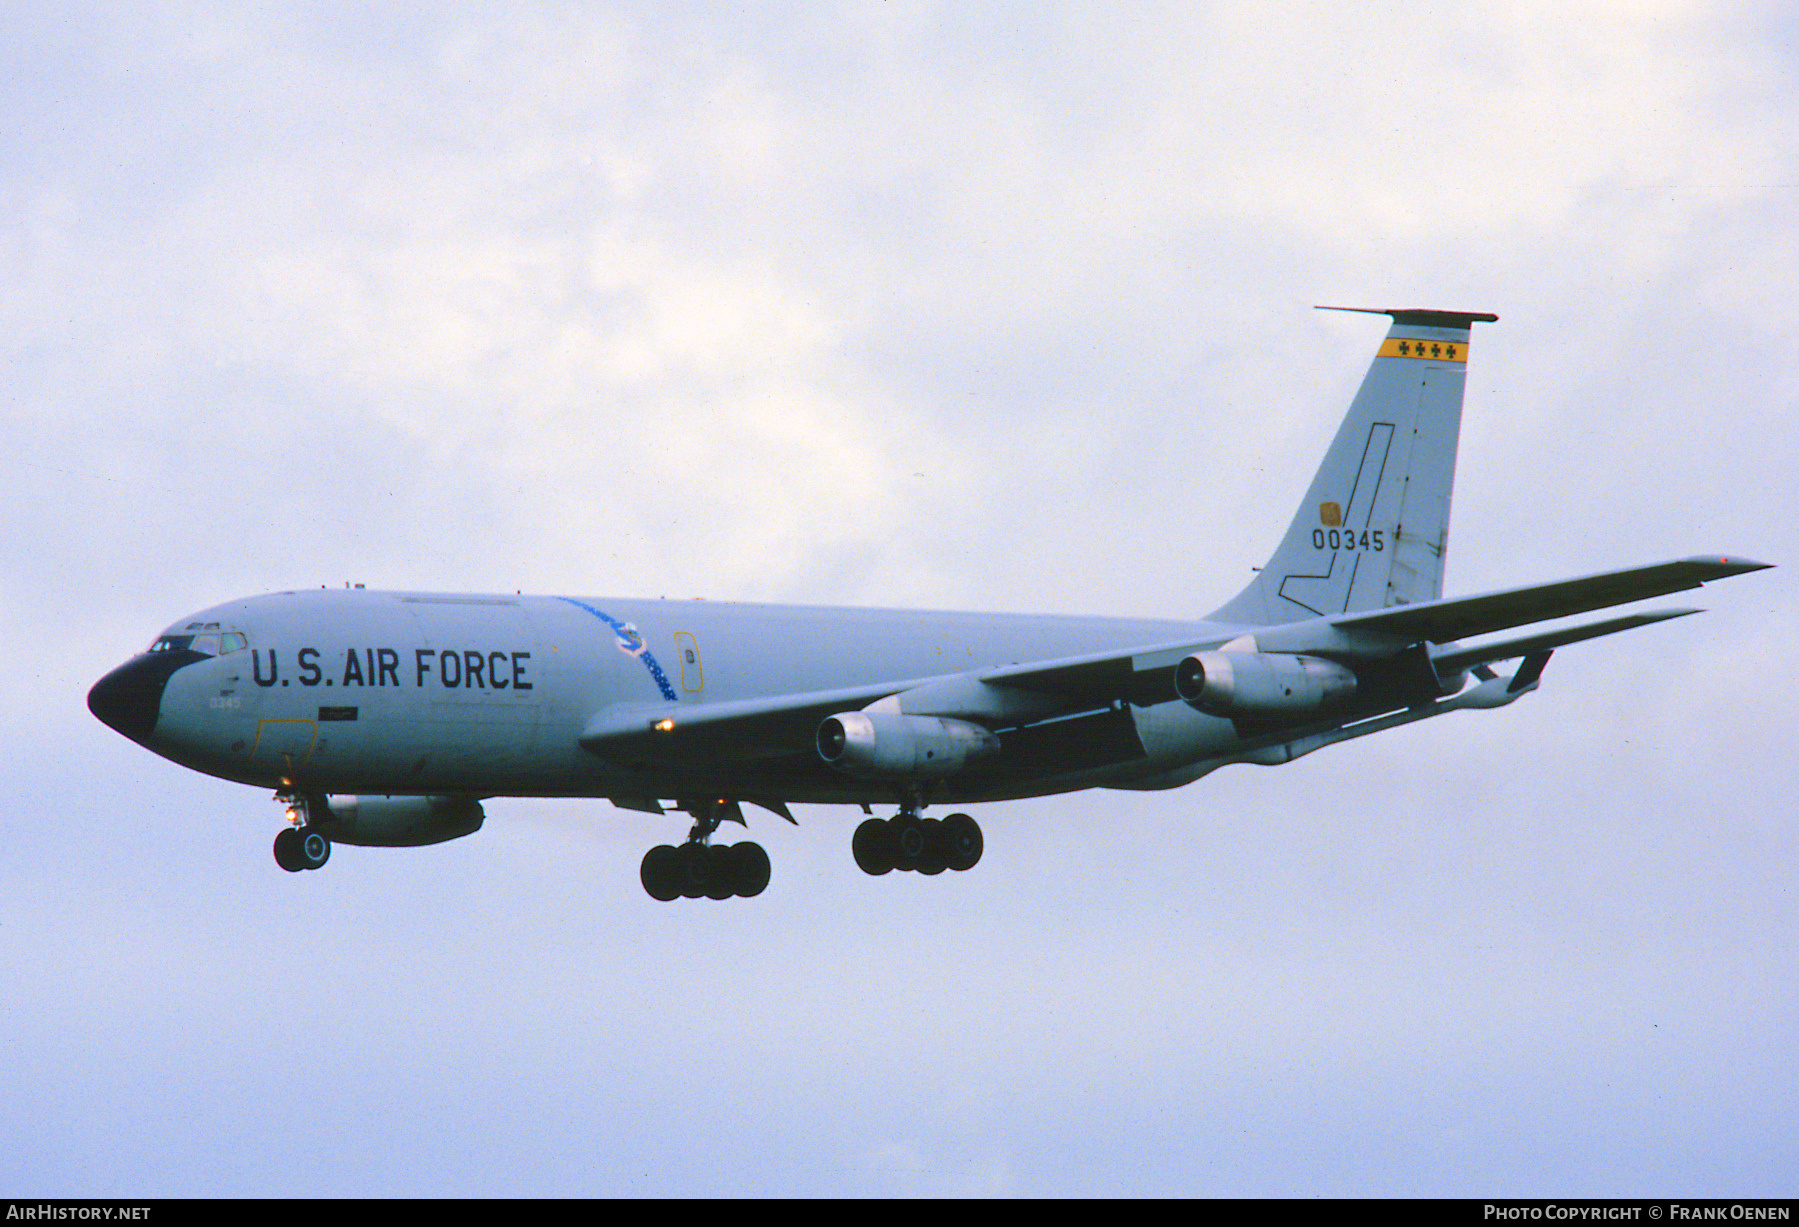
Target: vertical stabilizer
x=1374, y=527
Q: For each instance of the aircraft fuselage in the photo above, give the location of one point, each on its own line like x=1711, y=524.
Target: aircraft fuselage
x=353, y=691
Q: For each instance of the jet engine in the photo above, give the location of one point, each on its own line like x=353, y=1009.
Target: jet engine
x=1261, y=683
x=891, y=746
x=402, y=822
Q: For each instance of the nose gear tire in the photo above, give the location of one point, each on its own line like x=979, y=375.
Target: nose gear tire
x=315, y=849
x=287, y=850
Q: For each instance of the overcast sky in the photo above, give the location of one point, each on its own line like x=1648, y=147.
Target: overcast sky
x=992, y=307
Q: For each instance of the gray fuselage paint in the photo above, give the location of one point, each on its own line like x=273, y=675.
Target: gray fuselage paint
x=389, y=693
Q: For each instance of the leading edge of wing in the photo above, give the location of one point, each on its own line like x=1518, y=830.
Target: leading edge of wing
x=771, y=720
x=1461, y=617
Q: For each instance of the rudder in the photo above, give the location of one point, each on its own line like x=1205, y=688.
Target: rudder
x=1373, y=530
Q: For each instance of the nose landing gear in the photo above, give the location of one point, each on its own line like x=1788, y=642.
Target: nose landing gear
x=300, y=846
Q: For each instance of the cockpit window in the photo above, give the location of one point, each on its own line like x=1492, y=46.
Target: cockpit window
x=213, y=643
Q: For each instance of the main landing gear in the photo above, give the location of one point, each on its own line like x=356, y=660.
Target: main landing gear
x=926, y=845
x=699, y=867
x=300, y=846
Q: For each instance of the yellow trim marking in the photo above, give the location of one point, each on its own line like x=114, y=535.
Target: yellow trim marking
x=312, y=730
x=693, y=675
x=1413, y=347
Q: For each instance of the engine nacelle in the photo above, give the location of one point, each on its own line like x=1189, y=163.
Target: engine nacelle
x=890, y=746
x=1261, y=683
x=402, y=822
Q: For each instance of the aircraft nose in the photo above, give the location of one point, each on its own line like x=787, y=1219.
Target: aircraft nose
x=129, y=699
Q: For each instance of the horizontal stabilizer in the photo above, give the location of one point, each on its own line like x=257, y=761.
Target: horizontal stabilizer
x=1422, y=317
x=1460, y=658
x=1463, y=617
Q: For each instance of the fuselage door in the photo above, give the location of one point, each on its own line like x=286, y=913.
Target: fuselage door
x=693, y=677
x=283, y=745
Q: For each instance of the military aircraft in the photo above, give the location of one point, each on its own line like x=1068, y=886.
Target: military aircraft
x=386, y=718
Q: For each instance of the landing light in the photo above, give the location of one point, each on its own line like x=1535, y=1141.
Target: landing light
x=663, y=726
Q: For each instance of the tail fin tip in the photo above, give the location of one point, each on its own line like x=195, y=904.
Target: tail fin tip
x=1422, y=317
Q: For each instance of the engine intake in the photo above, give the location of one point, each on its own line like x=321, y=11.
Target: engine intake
x=890, y=746
x=1261, y=683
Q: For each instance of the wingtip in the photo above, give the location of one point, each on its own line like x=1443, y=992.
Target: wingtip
x=1726, y=564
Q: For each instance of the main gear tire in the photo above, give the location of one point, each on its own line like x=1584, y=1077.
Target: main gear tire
x=721, y=875
x=935, y=857
x=661, y=873
x=905, y=834
x=872, y=847
x=690, y=870
x=962, y=841
x=749, y=869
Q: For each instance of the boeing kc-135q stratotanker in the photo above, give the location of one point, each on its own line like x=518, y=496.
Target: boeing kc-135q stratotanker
x=386, y=718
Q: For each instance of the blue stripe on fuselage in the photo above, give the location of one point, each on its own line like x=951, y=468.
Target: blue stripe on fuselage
x=643, y=653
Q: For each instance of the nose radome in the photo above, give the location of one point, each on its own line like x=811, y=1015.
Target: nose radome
x=129, y=699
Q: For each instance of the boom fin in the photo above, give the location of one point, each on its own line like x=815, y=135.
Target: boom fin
x=1374, y=527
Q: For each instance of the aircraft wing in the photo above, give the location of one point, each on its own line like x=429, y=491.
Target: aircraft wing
x=1145, y=674
x=1005, y=695
x=1462, y=617
x=1018, y=694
